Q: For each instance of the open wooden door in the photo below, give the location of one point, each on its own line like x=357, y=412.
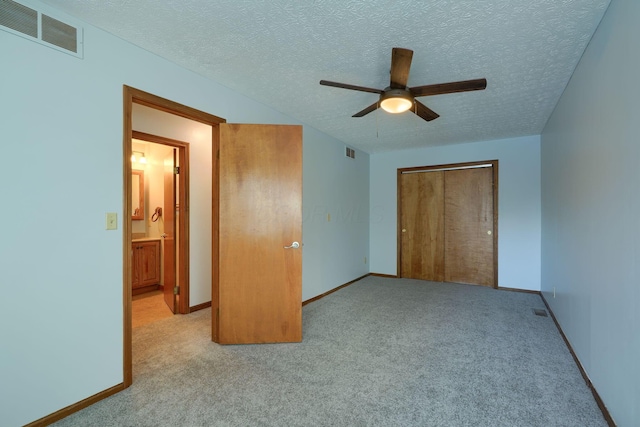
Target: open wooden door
x=169, y=235
x=258, y=294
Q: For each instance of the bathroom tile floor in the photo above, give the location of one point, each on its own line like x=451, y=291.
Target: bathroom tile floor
x=148, y=308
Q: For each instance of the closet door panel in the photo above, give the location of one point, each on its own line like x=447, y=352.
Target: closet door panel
x=422, y=226
x=468, y=225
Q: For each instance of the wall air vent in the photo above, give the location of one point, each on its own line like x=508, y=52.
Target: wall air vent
x=60, y=34
x=40, y=27
x=17, y=17
x=351, y=153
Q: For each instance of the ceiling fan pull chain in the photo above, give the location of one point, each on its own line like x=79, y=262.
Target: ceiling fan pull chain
x=377, y=127
x=418, y=122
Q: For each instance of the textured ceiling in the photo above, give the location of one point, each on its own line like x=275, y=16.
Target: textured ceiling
x=276, y=51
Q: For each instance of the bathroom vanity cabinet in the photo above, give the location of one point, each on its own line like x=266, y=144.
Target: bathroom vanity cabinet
x=145, y=270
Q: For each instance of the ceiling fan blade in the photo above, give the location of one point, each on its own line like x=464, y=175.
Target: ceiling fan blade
x=400, y=66
x=352, y=87
x=366, y=111
x=441, y=88
x=425, y=112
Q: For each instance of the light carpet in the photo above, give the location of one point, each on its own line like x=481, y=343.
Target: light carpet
x=380, y=352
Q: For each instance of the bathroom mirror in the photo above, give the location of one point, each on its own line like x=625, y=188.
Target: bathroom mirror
x=137, y=194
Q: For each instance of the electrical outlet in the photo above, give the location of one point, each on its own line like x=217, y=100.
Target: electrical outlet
x=112, y=221
x=554, y=291
x=328, y=217
x=365, y=260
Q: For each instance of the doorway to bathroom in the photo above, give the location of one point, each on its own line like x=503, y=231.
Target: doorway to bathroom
x=153, y=115
x=159, y=227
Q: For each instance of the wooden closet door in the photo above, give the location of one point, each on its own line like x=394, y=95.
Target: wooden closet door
x=422, y=226
x=468, y=207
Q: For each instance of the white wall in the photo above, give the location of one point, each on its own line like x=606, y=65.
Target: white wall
x=61, y=271
x=518, y=203
x=591, y=211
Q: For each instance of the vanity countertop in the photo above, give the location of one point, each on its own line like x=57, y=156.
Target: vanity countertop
x=145, y=239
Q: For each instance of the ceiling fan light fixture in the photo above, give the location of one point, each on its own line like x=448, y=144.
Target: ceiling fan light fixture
x=396, y=101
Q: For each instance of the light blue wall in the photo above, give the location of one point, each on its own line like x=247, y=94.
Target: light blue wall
x=591, y=211
x=335, y=187
x=518, y=203
x=61, y=271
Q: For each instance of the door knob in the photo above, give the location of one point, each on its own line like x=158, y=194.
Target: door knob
x=294, y=245
x=404, y=230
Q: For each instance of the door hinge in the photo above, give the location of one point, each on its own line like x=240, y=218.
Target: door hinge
x=176, y=170
x=176, y=290
x=218, y=154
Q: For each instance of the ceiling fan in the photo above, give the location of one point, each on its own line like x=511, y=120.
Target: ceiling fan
x=398, y=98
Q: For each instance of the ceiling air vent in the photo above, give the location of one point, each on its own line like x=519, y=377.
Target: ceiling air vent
x=40, y=27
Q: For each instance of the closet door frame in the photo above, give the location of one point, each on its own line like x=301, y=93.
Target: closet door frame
x=444, y=167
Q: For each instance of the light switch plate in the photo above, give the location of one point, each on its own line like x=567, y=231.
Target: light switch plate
x=112, y=221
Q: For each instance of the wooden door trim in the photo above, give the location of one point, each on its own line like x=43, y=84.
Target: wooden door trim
x=450, y=166
x=215, y=232
x=131, y=96
x=183, y=202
